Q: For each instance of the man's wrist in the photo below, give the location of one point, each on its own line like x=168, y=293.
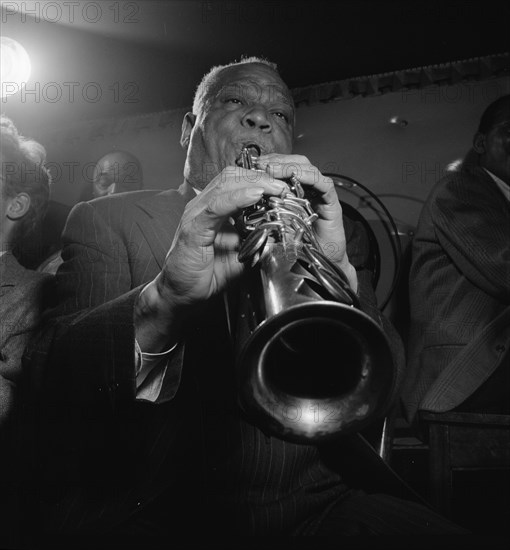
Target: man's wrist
x=156, y=326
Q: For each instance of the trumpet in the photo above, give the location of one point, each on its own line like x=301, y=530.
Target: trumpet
x=310, y=364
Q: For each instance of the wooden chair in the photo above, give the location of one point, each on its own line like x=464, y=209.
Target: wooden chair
x=461, y=441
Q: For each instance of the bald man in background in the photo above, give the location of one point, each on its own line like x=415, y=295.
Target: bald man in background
x=116, y=172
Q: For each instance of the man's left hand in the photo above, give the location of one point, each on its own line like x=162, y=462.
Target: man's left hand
x=329, y=227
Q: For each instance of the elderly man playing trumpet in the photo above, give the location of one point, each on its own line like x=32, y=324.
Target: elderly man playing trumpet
x=144, y=435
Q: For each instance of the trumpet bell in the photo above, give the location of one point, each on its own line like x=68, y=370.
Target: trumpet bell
x=314, y=371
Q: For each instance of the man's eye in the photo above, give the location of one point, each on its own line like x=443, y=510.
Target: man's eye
x=105, y=181
x=235, y=100
x=281, y=115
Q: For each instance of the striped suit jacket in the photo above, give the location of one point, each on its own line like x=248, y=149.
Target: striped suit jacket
x=102, y=456
x=459, y=292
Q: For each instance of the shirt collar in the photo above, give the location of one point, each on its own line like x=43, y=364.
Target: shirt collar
x=504, y=187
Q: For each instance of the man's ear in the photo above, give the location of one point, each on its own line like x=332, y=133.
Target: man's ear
x=187, y=125
x=18, y=206
x=479, y=143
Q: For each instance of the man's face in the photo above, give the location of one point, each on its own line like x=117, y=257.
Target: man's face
x=115, y=173
x=104, y=177
x=250, y=105
x=496, y=157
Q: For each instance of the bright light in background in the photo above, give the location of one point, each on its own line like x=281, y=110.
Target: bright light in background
x=15, y=66
x=454, y=165
x=398, y=120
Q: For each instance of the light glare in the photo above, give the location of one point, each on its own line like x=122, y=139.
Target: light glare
x=15, y=66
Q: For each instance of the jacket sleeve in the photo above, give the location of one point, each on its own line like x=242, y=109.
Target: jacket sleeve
x=87, y=343
x=89, y=437
x=89, y=337
x=95, y=265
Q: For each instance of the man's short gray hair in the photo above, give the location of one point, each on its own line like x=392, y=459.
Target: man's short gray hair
x=210, y=80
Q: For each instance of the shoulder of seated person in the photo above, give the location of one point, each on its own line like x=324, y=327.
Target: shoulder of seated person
x=467, y=174
x=119, y=200
x=111, y=204
x=118, y=209
x=457, y=182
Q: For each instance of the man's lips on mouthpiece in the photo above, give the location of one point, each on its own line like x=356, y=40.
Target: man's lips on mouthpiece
x=253, y=150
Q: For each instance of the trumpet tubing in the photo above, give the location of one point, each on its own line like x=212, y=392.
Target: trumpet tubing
x=310, y=364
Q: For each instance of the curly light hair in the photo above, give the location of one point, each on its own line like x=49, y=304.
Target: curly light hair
x=23, y=171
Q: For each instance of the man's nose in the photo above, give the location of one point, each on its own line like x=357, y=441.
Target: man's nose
x=257, y=118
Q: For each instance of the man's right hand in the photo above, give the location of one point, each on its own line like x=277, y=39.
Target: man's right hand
x=203, y=256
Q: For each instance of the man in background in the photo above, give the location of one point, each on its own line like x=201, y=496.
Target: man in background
x=117, y=172
x=460, y=282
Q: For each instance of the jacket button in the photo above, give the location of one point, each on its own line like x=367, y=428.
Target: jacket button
x=500, y=347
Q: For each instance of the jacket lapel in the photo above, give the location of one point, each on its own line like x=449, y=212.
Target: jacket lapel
x=491, y=186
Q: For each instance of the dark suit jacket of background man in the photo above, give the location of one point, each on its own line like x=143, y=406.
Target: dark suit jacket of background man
x=459, y=291
x=102, y=455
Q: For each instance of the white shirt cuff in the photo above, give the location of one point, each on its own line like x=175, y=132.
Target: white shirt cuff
x=150, y=372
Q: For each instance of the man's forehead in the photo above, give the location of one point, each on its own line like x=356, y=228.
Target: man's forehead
x=250, y=86
x=105, y=161
x=110, y=160
x=503, y=119
x=252, y=78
